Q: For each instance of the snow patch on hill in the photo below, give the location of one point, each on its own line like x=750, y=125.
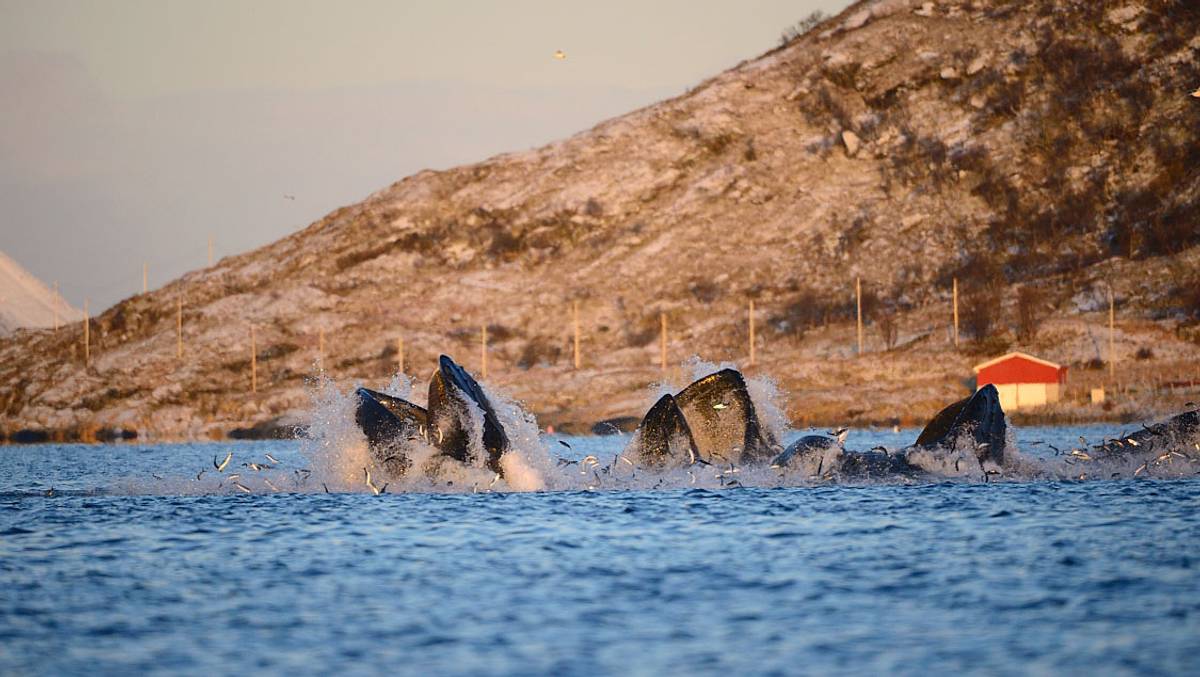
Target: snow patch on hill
x=25, y=302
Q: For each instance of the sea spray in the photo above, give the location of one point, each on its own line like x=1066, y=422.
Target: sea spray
x=527, y=465
x=335, y=446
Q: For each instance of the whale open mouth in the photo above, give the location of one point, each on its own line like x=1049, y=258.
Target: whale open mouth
x=459, y=422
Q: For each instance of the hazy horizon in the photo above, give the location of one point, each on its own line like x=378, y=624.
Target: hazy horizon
x=133, y=131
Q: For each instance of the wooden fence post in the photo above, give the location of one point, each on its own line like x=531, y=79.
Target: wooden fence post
x=956, y=312
x=1112, y=349
x=751, y=317
x=253, y=361
x=179, y=327
x=575, y=319
x=87, y=339
x=858, y=301
x=483, y=351
x=662, y=357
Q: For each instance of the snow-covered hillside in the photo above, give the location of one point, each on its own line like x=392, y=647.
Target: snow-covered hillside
x=26, y=302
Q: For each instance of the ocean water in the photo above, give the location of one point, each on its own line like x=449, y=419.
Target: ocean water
x=133, y=564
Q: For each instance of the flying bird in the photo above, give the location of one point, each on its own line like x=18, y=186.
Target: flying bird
x=560, y=55
x=289, y=197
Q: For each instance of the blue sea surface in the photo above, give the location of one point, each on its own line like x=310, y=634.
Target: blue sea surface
x=125, y=569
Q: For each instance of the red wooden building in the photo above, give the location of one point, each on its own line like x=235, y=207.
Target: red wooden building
x=1023, y=380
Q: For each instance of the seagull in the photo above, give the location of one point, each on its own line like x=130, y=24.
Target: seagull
x=272, y=459
x=560, y=55
x=221, y=467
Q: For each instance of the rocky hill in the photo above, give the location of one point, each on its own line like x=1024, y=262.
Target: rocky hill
x=1041, y=152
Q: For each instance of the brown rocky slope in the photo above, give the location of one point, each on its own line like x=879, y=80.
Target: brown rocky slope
x=1015, y=145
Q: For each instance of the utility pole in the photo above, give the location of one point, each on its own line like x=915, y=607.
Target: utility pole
x=662, y=357
x=253, y=362
x=87, y=340
x=751, y=316
x=1112, y=328
x=179, y=327
x=575, y=320
x=858, y=300
x=483, y=350
x=956, y=312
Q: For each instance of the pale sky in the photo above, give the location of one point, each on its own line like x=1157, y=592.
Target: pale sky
x=131, y=131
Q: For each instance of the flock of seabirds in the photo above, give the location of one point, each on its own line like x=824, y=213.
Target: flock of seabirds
x=713, y=423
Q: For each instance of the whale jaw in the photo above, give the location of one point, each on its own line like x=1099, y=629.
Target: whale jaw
x=453, y=396
x=450, y=423
x=713, y=420
x=664, y=439
x=979, y=416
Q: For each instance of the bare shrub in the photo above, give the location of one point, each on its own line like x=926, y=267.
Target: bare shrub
x=643, y=331
x=889, y=327
x=539, y=350
x=705, y=291
x=1191, y=298
x=807, y=309
x=979, y=314
x=801, y=27
x=1030, y=312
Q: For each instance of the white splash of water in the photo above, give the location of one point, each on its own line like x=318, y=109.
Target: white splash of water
x=400, y=386
x=335, y=446
x=527, y=464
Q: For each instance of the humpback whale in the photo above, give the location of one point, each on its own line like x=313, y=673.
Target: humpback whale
x=459, y=422
x=978, y=421
x=720, y=407
x=712, y=420
x=966, y=438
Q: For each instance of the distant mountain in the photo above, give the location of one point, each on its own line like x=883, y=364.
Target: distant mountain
x=25, y=302
x=1040, y=152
